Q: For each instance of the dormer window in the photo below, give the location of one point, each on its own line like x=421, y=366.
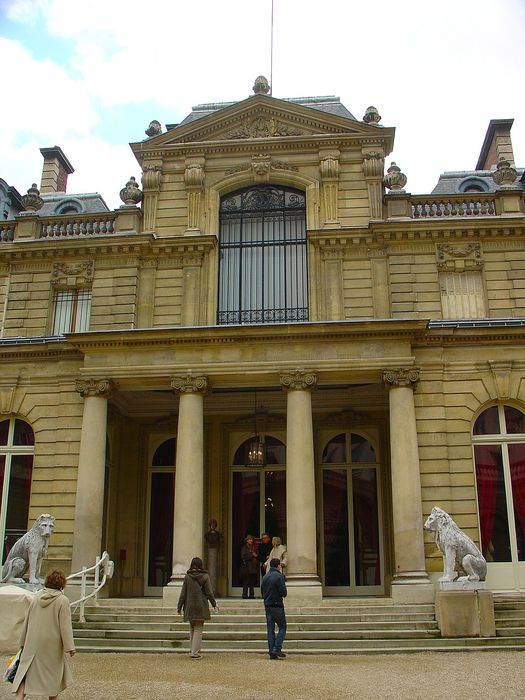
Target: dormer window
x=68, y=207
x=473, y=184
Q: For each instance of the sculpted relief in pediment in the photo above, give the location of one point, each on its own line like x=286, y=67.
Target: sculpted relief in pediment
x=263, y=127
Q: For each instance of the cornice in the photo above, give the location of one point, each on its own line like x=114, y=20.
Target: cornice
x=41, y=352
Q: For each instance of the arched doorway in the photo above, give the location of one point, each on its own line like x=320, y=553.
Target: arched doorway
x=159, y=540
x=351, y=523
x=258, y=500
x=498, y=438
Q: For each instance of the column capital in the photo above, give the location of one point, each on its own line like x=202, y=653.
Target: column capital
x=299, y=380
x=94, y=387
x=190, y=384
x=401, y=376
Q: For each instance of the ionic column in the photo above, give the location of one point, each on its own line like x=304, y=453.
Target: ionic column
x=411, y=582
x=89, y=503
x=301, y=522
x=188, y=530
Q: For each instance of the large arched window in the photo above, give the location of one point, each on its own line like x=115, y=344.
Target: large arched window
x=499, y=452
x=262, y=253
x=16, y=468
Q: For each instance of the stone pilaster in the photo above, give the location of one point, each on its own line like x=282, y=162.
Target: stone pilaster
x=411, y=582
x=192, y=265
x=151, y=182
x=330, y=169
x=194, y=179
x=89, y=503
x=373, y=167
x=188, y=530
x=302, y=579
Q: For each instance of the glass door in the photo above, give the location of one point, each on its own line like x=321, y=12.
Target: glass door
x=159, y=540
x=258, y=502
x=352, y=551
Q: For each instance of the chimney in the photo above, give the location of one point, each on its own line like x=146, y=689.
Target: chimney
x=55, y=170
x=497, y=143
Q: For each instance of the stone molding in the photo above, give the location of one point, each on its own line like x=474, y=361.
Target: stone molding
x=299, y=380
x=401, y=377
x=72, y=275
x=94, y=387
x=263, y=127
x=189, y=384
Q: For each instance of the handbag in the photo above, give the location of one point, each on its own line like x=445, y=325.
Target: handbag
x=12, y=667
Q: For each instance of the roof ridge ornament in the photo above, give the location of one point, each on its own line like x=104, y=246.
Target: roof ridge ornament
x=395, y=180
x=372, y=116
x=261, y=85
x=504, y=175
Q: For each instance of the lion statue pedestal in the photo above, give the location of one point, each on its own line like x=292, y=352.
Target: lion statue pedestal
x=463, y=607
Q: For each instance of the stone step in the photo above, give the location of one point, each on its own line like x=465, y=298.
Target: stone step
x=304, y=625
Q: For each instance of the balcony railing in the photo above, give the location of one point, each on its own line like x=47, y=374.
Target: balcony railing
x=99, y=224
x=434, y=207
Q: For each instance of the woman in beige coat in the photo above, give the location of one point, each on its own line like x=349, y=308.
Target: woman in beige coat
x=47, y=636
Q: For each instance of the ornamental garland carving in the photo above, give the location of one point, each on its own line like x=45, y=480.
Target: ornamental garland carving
x=261, y=128
x=72, y=274
x=261, y=164
x=94, y=387
x=299, y=380
x=189, y=384
x=458, y=258
x=401, y=377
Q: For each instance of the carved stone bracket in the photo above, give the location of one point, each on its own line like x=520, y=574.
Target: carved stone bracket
x=459, y=258
x=194, y=179
x=501, y=373
x=72, y=275
x=261, y=165
x=401, y=376
x=373, y=168
x=299, y=380
x=190, y=384
x=94, y=387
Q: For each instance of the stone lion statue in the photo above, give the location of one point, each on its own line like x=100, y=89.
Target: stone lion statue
x=28, y=552
x=460, y=554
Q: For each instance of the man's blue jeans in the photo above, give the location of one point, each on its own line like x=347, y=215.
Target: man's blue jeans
x=275, y=616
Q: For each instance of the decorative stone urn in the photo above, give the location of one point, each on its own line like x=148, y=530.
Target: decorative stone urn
x=505, y=174
x=261, y=85
x=32, y=201
x=395, y=180
x=131, y=194
x=154, y=128
x=372, y=116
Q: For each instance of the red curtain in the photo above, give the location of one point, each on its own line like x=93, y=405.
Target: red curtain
x=517, y=475
x=487, y=481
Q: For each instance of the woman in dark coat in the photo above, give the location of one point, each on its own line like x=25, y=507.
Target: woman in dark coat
x=249, y=567
x=194, y=596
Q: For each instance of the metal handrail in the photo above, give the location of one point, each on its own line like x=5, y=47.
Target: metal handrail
x=107, y=566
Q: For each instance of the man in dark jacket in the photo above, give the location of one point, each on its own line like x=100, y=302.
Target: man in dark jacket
x=273, y=589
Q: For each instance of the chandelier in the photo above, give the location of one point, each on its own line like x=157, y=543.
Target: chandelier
x=256, y=451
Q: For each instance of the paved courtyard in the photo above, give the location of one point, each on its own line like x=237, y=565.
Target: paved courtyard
x=427, y=675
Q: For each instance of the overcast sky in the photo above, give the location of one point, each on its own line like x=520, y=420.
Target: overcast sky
x=89, y=75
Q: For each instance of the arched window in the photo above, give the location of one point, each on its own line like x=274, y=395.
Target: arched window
x=16, y=468
x=262, y=254
x=498, y=437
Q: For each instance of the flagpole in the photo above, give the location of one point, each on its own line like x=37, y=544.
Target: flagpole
x=271, y=54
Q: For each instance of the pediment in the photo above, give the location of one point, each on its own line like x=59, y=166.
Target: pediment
x=262, y=117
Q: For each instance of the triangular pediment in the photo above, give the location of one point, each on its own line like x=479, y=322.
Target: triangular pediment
x=261, y=117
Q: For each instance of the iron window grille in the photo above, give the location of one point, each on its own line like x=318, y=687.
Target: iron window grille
x=262, y=254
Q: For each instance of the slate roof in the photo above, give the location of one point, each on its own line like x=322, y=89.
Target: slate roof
x=450, y=182
x=327, y=103
x=88, y=202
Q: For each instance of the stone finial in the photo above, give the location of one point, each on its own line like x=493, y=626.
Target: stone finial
x=261, y=85
x=32, y=201
x=372, y=116
x=154, y=129
x=395, y=180
x=504, y=175
x=131, y=194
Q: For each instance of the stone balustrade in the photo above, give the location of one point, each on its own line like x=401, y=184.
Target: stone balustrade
x=433, y=207
x=99, y=224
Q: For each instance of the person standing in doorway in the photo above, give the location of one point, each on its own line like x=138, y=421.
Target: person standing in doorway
x=194, y=596
x=278, y=551
x=249, y=566
x=273, y=589
x=263, y=551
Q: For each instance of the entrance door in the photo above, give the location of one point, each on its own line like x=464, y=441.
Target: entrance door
x=498, y=439
x=258, y=498
x=352, y=549
x=159, y=540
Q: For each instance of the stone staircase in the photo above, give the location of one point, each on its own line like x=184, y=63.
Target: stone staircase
x=337, y=626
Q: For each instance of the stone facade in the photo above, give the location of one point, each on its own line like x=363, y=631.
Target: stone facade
x=416, y=317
